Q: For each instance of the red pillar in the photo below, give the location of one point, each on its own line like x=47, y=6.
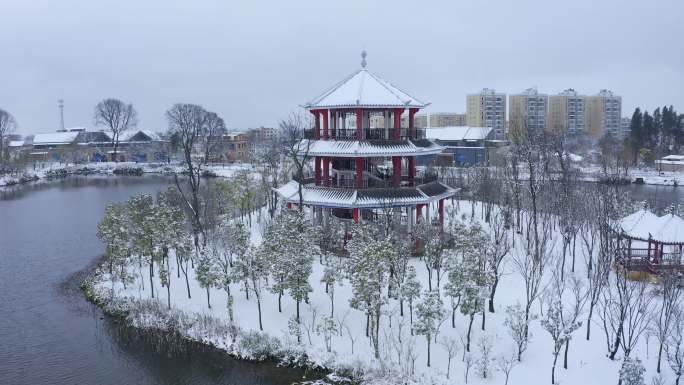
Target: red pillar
x=317, y=128
x=412, y=113
x=359, y=123
x=397, y=123
x=335, y=117
x=441, y=214
x=419, y=212
x=325, y=123
x=396, y=166
x=355, y=214
x=326, y=171
x=317, y=168
x=412, y=170
x=359, y=172
x=289, y=205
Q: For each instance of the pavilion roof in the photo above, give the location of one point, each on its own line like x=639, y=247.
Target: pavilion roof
x=354, y=148
x=644, y=225
x=368, y=198
x=364, y=89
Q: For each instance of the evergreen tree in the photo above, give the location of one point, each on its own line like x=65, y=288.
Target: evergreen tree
x=368, y=275
x=410, y=291
x=429, y=313
x=632, y=372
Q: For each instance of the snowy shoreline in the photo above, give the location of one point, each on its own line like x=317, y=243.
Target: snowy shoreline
x=150, y=315
x=53, y=172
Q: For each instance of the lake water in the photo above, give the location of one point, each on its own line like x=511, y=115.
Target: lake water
x=49, y=334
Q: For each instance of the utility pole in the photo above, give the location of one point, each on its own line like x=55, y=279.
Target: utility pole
x=60, y=103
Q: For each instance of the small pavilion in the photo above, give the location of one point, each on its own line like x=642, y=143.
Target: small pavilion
x=651, y=244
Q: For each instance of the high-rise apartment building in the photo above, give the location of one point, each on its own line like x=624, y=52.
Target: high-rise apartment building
x=566, y=112
x=527, y=111
x=487, y=109
x=603, y=114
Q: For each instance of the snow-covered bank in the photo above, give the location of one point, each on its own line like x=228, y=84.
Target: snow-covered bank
x=401, y=352
x=56, y=170
x=641, y=176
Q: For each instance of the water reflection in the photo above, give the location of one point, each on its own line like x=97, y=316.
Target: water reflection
x=49, y=334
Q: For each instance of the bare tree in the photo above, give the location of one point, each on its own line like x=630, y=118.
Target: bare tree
x=189, y=123
x=215, y=127
x=297, y=147
x=671, y=292
x=7, y=126
x=626, y=307
x=674, y=348
x=497, y=249
x=117, y=117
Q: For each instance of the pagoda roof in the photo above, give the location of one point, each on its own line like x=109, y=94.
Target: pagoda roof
x=645, y=226
x=365, y=198
x=364, y=89
x=355, y=148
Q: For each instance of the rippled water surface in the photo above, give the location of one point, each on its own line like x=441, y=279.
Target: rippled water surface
x=49, y=334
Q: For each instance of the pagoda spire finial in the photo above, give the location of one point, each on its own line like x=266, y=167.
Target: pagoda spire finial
x=363, y=58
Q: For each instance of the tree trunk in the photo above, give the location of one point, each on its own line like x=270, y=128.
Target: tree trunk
x=616, y=344
x=591, y=311
x=261, y=325
x=280, y=305
x=208, y=299
x=660, y=355
x=428, y=351
x=565, y=355
x=484, y=318
x=553, y=369
x=152, y=275
x=470, y=327
x=491, y=294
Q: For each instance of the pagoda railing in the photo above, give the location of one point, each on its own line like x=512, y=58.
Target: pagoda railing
x=369, y=183
x=370, y=134
x=648, y=260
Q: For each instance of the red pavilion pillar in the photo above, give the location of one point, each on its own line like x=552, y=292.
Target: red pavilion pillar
x=326, y=119
x=317, y=168
x=355, y=215
x=396, y=167
x=317, y=127
x=441, y=214
x=412, y=170
x=397, y=123
x=359, y=123
x=412, y=113
x=419, y=212
x=326, y=171
x=359, y=172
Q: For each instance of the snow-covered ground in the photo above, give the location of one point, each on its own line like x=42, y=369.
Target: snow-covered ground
x=47, y=169
x=648, y=175
x=588, y=362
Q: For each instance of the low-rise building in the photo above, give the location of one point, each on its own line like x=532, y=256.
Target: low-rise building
x=231, y=147
x=463, y=145
x=80, y=145
x=670, y=163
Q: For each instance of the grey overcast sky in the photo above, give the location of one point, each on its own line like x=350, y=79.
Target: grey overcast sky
x=255, y=61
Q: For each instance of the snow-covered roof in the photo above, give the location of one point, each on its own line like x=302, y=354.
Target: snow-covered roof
x=354, y=148
x=55, y=138
x=364, y=89
x=364, y=198
x=15, y=143
x=645, y=225
x=674, y=157
x=130, y=134
x=456, y=133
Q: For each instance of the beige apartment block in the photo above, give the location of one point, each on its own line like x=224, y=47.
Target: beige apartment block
x=527, y=111
x=566, y=112
x=603, y=114
x=487, y=109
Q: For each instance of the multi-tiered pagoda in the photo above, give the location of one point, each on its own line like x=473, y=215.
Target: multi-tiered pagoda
x=364, y=160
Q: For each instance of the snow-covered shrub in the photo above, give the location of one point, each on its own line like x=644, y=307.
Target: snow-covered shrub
x=259, y=346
